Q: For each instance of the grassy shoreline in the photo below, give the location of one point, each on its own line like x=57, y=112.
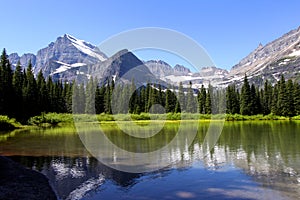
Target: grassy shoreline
x=62, y=118
x=53, y=119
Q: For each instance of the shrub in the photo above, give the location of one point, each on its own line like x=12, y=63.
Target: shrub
x=7, y=123
x=51, y=118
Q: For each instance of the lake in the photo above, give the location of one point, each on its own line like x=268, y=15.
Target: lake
x=251, y=160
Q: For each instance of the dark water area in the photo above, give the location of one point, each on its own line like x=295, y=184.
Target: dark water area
x=251, y=160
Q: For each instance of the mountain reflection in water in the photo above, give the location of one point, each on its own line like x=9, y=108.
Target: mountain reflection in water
x=252, y=160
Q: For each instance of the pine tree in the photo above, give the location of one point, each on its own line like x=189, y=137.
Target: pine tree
x=99, y=100
x=245, y=107
x=208, y=109
x=133, y=101
x=213, y=99
x=147, y=97
x=107, y=99
x=258, y=101
x=180, y=105
x=282, y=103
x=51, y=101
x=6, y=88
x=161, y=96
x=221, y=101
x=42, y=93
x=231, y=100
x=201, y=100
x=297, y=98
x=75, y=99
x=78, y=98
x=167, y=106
x=117, y=102
x=18, y=77
x=290, y=98
x=68, y=96
x=30, y=93
x=82, y=98
x=142, y=99
x=267, y=98
x=274, y=105
x=190, y=106
x=253, y=101
x=236, y=101
x=90, y=97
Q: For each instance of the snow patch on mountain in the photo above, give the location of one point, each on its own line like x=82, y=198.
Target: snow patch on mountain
x=295, y=53
x=64, y=67
x=85, y=47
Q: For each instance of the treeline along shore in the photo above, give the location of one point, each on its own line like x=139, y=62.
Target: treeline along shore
x=23, y=96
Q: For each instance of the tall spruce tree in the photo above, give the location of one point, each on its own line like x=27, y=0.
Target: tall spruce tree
x=290, y=98
x=107, y=99
x=297, y=98
x=282, y=102
x=190, y=105
x=267, y=98
x=18, y=77
x=180, y=104
x=30, y=93
x=90, y=97
x=245, y=107
x=253, y=101
x=201, y=100
x=208, y=105
x=6, y=88
x=68, y=96
x=42, y=93
x=274, y=105
x=167, y=103
x=232, y=100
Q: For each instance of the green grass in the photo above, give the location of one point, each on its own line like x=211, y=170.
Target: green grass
x=7, y=123
x=52, y=119
x=238, y=117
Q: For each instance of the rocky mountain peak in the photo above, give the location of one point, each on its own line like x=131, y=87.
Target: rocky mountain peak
x=181, y=68
x=271, y=60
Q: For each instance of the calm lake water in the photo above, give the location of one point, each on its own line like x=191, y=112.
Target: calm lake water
x=251, y=160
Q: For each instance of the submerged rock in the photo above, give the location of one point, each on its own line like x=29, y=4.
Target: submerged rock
x=18, y=182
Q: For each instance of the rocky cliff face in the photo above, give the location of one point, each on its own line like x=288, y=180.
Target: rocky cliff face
x=66, y=53
x=24, y=59
x=161, y=69
x=281, y=56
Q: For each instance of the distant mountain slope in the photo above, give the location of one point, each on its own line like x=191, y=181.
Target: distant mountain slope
x=281, y=56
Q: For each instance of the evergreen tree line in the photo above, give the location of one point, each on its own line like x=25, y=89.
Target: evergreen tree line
x=22, y=96
x=282, y=99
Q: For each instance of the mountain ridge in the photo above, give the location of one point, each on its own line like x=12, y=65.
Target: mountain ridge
x=69, y=57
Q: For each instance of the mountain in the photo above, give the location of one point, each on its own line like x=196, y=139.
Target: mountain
x=281, y=56
x=162, y=69
x=69, y=58
x=179, y=73
x=65, y=54
x=24, y=59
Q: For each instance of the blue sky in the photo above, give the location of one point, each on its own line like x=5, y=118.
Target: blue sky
x=228, y=30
